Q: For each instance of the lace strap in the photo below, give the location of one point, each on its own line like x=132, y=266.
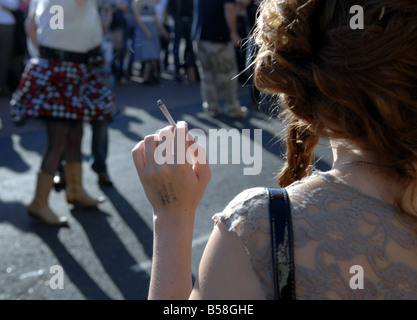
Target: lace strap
x=282, y=244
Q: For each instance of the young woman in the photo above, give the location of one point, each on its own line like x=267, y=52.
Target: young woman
x=147, y=43
x=63, y=88
x=356, y=87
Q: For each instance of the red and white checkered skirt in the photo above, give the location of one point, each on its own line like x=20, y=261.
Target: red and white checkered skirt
x=63, y=90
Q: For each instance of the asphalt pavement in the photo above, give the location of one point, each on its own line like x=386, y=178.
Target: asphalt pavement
x=106, y=252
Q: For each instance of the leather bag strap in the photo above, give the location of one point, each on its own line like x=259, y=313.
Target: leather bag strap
x=282, y=244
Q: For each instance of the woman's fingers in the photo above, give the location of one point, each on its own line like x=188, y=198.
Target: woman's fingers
x=201, y=165
x=150, y=145
x=164, y=153
x=180, y=142
x=172, y=146
x=139, y=156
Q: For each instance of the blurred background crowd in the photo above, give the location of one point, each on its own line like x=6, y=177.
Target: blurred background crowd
x=122, y=41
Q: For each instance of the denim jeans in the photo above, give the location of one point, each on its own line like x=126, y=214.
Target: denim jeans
x=99, y=146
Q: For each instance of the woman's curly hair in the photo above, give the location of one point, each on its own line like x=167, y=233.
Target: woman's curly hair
x=334, y=81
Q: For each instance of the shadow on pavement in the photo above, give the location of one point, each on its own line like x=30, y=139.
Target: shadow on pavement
x=112, y=253
x=15, y=213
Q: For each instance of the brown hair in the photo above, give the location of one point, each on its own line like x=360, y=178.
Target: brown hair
x=333, y=81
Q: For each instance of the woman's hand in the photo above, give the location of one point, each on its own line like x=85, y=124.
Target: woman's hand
x=173, y=175
x=174, y=178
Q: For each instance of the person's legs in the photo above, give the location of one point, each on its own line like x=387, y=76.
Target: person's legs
x=176, y=48
x=147, y=68
x=73, y=145
x=57, y=132
x=155, y=71
x=189, y=57
x=227, y=72
x=73, y=168
x=99, y=148
x=208, y=83
x=226, y=75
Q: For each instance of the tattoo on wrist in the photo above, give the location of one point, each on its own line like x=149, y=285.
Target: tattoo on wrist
x=167, y=195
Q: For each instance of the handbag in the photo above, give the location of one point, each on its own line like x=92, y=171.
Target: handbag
x=282, y=244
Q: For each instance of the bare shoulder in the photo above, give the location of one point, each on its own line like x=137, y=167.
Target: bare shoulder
x=225, y=270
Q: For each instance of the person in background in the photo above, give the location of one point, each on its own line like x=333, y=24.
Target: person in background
x=100, y=139
x=165, y=38
x=215, y=48
x=182, y=13
x=257, y=98
x=356, y=87
x=124, y=70
x=147, y=44
x=7, y=32
x=63, y=87
x=100, y=135
x=117, y=30
x=243, y=29
x=20, y=50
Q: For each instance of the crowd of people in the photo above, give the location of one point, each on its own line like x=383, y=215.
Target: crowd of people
x=51, y=74
x=140, y=37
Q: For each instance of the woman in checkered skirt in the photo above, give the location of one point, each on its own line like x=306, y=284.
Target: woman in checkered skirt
x=63, y=87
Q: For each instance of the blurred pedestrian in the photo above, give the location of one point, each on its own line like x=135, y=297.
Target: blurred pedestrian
x=164, y=39
x=147, y=43
x=243, y=29
x=348, y=233
x=182, y=13
x=7, y=33
x=106, y=10
x=251, y=49
x=20, y=50
x=126, y=55
x=63, y=87
x=117, y=32
x=215, y=33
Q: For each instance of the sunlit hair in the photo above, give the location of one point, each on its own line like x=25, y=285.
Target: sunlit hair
x=333, y=81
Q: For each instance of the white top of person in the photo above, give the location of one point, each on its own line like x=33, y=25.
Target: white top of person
x=65, y=25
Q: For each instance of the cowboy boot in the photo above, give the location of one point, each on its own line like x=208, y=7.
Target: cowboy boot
x=75, y=191
x=39, y=209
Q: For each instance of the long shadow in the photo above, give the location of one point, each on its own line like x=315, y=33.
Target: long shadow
x=15, y=213
x=78, y=275
x=142, y=231
x=112, y=253
x=121, y=123
x=131, y=218
x=9, y=157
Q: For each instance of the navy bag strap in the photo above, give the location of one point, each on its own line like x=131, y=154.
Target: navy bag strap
x=282, y=244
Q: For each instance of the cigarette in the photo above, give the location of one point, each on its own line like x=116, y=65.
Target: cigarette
x=165, y=111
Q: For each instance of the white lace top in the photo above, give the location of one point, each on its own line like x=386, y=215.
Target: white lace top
x=335, y=228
